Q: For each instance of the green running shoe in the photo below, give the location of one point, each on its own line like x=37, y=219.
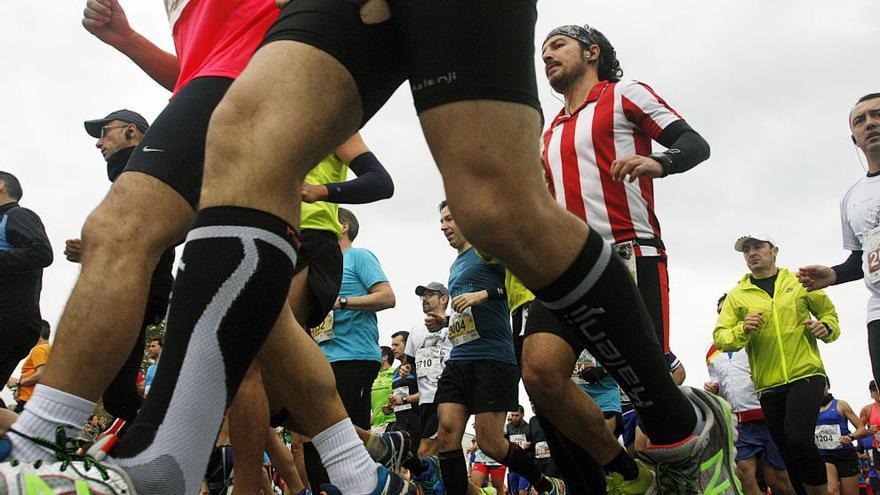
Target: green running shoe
x=615, y=484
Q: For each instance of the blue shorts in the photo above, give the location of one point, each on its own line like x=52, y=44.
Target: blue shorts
x=754, y=441
x=516, y=482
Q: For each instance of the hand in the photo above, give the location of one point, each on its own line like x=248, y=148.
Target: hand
x=387, y=410
x=817, y=328
x=635, y=166
x=753, y=322
x=845, y=440
x=465, y=301
x=395, y=400
x=405, y=370
x=434, y=321
x=312, y=193
x=73, y=250
x=106, y=20
x=712, y=387
x=12, y=382
x=815, y=277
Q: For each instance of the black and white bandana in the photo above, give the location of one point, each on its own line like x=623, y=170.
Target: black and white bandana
x=585, y=34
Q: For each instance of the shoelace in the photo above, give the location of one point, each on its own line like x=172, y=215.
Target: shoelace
x=674, y=476
x=66, y=451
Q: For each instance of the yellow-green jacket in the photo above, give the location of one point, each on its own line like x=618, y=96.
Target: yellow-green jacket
x=782, y=349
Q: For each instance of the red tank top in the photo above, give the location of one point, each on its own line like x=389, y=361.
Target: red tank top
x=217, y=37
x=874, y=420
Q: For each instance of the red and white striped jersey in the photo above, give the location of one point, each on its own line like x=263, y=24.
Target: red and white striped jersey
x=616, y=120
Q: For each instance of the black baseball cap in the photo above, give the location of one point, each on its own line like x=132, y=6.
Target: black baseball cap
x=432, y=287
x=93, y=127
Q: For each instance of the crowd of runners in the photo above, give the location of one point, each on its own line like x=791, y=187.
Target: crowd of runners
x=560, y=279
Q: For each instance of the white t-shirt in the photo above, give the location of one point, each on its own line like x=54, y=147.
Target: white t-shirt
x=431, y=350
x=859, y=214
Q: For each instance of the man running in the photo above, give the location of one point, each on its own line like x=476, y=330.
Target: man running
x=599, y=165
x=271, y=128
x=860, y=220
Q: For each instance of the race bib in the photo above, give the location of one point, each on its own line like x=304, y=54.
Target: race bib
x=462, y=328
x=871, y=245
x=429, y=363
x=378, y=429
x=542, y=450
x=484, y=459
x=828, y=437
x=402, y=392
x=584, y=361
x=519, y=439
x=627, y=252
x=324, y=331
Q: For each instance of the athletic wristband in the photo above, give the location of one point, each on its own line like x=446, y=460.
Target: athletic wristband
x=665, y=162
x=497, y=293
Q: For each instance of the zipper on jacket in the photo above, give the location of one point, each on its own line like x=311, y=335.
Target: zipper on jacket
x=779, y=336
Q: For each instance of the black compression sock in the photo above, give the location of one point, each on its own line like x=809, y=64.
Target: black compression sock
x=454, y=472
x=519, y=462
x=415, y=466
x=232, y=283
x=623, y=464
x=598, y=298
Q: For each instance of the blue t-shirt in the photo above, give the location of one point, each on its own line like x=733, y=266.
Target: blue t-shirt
x=492, y=318
x=148, y=378
x=357, y=332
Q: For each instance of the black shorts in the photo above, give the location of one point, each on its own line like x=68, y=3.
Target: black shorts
x=482, y=386
x=654, y=288
x=16, y=341
x=845, y=460
x=354, y=380
x=319, y=250
x=428, y=422
x=450, y=51
x=173, y=149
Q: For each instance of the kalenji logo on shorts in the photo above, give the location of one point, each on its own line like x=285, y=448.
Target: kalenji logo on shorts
x=436, y=81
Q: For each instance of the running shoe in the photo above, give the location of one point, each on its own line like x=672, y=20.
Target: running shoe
x=700, y=464
x=397, y=449
x=430, y=479
x=557, y=486
x=390, y=483
x=69, y=476
x=615, y=484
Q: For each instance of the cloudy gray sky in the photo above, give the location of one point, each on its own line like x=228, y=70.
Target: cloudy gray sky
x=769, y=85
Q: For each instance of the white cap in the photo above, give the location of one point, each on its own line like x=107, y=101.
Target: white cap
x=752, y=237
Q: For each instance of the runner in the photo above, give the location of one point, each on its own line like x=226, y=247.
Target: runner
x=383, y=413
x=779, y=323
x=486, y=168
x=837, y=444
x=481, y=376
x=860, y=219
x=517, y=431
x=870, y=417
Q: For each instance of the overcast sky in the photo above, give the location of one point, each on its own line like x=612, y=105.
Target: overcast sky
x=768, y=84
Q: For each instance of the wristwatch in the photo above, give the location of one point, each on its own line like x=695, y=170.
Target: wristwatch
x=343, y=302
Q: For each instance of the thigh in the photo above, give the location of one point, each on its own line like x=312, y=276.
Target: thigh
x=774, y=407
x=653, y=285
x=321, y=261
x=550, y=344
x=802, y=405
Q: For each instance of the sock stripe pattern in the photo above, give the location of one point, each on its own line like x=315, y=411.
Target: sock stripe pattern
x=166, y=450
x=586, y=284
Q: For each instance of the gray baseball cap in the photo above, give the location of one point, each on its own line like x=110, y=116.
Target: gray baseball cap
x=93, y=127
x=432, y=287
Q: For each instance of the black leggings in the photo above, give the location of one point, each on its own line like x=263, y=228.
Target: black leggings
x=874, y=348
x=791, y=415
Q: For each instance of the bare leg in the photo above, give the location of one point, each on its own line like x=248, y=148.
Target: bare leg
x=283, y=461
x=745, y=471
x=296, y=446
x=778, y=481
x=248, y=416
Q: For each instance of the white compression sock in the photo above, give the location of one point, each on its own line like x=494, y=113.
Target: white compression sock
x=48, y=409
x=347, y=462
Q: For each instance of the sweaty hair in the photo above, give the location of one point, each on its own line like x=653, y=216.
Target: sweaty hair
x=402, y=334
x=346, y=216
x=387, y=354
x=13, y=186
x=608, y=66
x=45, y=329
x=442, y=205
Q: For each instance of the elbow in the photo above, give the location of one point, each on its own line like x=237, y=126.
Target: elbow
x=390, y=301
x=386, y=189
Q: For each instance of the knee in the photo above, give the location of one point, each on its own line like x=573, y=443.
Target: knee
x=447, y=438
x=494, y=446
x=543, y=380
x=745, y=472
x=113, y=231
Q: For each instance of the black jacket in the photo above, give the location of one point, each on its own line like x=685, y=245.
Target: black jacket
x=24, y=252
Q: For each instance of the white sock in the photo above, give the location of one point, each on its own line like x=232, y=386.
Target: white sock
x=48, y=409
x=347, y=462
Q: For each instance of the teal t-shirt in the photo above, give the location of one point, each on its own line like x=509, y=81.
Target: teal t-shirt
x=490, y=320
x=356, y=332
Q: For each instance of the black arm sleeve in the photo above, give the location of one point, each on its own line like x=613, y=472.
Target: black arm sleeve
x=686, y=148
x=849, y=270
x=496, y=293
x=372, y=183
x=30, y=245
